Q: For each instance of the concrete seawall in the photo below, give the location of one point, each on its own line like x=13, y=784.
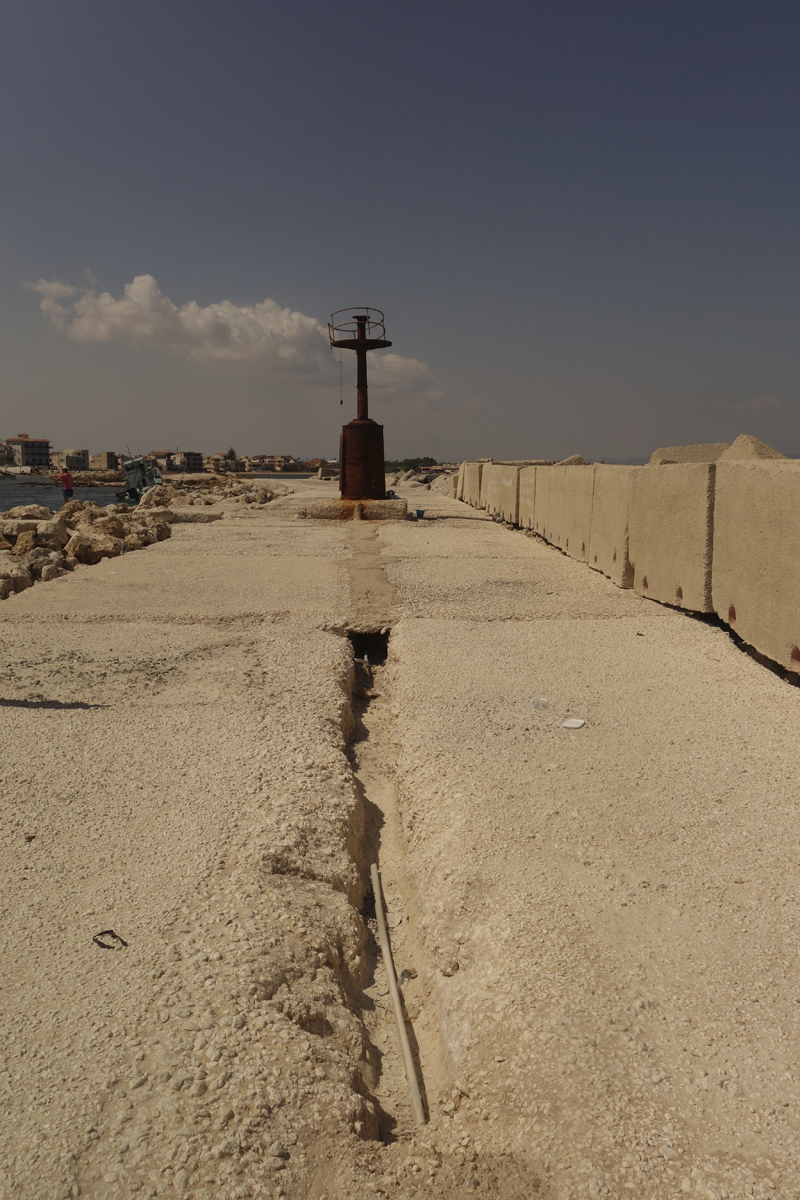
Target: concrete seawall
x=707, y=537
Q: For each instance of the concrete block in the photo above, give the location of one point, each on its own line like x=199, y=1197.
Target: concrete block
x=541, y=506
x=471, y=485
x=486, y=484
x=500, y=490
x=578, y=493
x=702, y=452
x=564, y=515
x=459, y=492
x=745, y=446
x=353, y=510
x=756, y=572
x=608, y=545
x=670, y=534
x=527, y=497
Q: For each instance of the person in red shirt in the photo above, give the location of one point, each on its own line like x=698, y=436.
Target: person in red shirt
x=66, y=483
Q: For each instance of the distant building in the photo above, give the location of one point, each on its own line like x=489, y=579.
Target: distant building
x=163, y=458
x=70, y=460
x=187, y=460
x=28, y=451
x=272, y=462
x=107, y=460
x=221, y=462
x=6, y=455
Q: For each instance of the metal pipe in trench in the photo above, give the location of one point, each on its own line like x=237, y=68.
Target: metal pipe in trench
x=409, y=1065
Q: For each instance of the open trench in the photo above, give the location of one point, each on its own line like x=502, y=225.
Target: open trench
x=373, y=754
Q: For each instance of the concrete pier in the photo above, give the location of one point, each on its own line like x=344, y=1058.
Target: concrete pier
x=593, y=927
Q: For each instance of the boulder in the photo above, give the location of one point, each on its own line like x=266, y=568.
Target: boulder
x=134, y=541
x=111, y=525
x=51, y=571
x=55, y=529
x=162, y=494
x=89, y=548
x=25, y=543
x=21, y=578
x=12, y=529
x=70, y=510
x=160, y=528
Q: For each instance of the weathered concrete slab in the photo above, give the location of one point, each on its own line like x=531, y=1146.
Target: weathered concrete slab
x=608, y=544
x=471, y=483
x=563, y=516
x=756, y=573
x=670, y=531
x=703, y=452
x=527, y=497
x=541, y=507
x=500, y=491
x=578, y=493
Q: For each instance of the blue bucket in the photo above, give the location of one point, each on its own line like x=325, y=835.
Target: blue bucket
x=420, y=513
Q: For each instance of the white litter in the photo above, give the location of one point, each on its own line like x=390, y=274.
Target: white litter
x=573, y=723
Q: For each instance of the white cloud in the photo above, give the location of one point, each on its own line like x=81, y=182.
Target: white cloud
x=264, y=334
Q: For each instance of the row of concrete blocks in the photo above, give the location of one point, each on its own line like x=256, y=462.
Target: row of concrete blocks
x=708, y=537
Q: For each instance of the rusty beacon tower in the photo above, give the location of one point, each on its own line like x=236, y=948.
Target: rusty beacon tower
x=361, y=470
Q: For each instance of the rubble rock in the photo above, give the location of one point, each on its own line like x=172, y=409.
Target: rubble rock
x=25, y=543
x=54, y=529
x=35, y=512
x=163, y=494
x=111, y=525
x=90, y=548
x=189, y=517
x=12, y=529
x=160, y=528
x=51, y=571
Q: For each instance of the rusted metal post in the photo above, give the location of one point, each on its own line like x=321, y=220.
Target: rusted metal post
x=361, y=459
x=361, y=373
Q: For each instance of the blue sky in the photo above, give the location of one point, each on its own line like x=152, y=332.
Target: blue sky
x=580, y=219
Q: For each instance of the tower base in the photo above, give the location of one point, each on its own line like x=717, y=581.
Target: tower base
x=361, y=470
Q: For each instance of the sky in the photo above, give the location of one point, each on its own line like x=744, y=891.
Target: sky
x=580, y=219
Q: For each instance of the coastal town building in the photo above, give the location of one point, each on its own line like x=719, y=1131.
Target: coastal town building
x=70, y=460
x=6, y=455
x=187, y=460
x=106, y=460
x=28, y=451
x=271, y=462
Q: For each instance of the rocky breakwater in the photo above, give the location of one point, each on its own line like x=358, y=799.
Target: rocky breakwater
x=39, y=545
